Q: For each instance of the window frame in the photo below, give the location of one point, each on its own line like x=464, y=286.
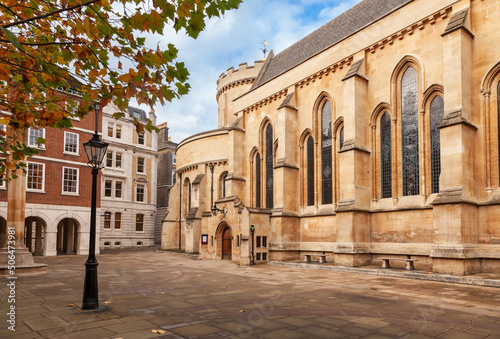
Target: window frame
x=141, y=138
x=107, y=220
x=326, y=117
x=30, y=144
x=120, y=190
x=110, y=189
x=77, y=184
x=37, y=190
x=116, y=155
x=137, y=186
x=118, y=221
x=410, y=167
x=269, y=162
x=139, y=222
x=143, y=165
x=109, y=159
x=386, y=190
x=310, y=169
x=77, y=143
x=436, y=114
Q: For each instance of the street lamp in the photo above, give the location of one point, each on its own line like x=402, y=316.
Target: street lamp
x=95, y=149
x=214, y=210
x=252, y=230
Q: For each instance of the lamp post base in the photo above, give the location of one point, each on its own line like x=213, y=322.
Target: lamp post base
x=90, y=290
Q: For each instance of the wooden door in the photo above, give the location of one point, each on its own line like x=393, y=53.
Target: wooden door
x=226, y=244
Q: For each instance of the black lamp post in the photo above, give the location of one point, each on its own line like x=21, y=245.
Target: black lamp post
x=252, y=230
x=95, y=149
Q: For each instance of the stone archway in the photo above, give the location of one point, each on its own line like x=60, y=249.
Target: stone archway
x=225, y=243
x=34, y=235
x=67, y=236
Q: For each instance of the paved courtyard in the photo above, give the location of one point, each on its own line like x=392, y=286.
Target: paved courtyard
x=153, y=294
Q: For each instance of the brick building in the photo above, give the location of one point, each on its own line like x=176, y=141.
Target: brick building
x=58, y=188
x=376, y=135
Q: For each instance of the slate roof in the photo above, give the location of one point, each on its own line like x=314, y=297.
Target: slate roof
x=139, y=113
x=343, y=26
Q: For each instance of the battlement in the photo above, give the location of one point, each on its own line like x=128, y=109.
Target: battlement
x=242, y=72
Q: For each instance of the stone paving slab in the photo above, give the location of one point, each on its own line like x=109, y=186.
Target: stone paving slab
x=143, y=290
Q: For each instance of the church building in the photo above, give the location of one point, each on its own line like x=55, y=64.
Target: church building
x=376, y=136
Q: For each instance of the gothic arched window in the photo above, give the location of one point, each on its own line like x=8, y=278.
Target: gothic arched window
x=326, y=152
x=257, y=180
x=269, y=166
x=386, y=155
x=437, y=111
x=310, y=171
x=409, y=132
x=341, y=138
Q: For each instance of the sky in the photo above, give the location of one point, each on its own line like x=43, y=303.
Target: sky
x=229, y=41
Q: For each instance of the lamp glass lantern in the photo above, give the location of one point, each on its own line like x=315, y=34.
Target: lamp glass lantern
x=96, y=150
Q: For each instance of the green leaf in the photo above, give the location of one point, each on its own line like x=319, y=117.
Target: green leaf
x=12, y=37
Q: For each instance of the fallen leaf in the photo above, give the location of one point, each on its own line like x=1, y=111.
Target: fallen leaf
x=228, y=286
x=71, y=305
x=160, y=293
x=158, y=331
x=241, y=311
x=107, y=302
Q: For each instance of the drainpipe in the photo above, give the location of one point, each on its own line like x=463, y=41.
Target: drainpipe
x=180, y=208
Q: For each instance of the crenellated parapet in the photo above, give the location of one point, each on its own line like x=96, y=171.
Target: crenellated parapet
x=243, y=75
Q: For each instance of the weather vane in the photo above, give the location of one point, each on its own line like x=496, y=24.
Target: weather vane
x=264, y=50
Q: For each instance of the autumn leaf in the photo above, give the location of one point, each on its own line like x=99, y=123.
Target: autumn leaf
x=75, y=51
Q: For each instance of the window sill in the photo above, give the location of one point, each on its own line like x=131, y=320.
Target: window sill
x=37, y=147
x=70, y=194
x=70, y=153
x=35, y=191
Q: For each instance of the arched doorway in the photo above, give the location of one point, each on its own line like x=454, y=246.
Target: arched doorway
x=226, y=244
x=34, y=235
x=67, y=236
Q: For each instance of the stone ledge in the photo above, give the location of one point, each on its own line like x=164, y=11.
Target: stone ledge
x=466, y=280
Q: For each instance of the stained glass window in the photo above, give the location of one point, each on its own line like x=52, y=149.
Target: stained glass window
x=437, y=111
x=310, y=171
x=269, y=166
x=326, y=152
x=409, y=132
x=257, y=180
x=386, y=155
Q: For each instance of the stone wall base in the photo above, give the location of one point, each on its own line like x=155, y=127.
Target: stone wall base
x=456, y=266
x=283, y=255
x=353, y=260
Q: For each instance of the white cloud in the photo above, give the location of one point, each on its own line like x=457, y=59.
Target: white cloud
x=229, y=41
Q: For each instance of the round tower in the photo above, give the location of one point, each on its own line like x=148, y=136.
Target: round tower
x=232, y=84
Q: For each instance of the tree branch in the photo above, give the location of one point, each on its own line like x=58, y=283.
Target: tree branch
x=16, y=23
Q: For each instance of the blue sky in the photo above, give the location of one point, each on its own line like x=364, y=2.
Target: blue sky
x=231, y=40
